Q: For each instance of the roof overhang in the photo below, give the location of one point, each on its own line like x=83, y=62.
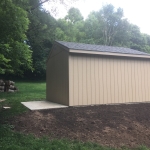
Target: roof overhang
x=107, y=53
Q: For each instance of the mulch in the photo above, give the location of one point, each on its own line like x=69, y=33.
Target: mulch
x=108, y=125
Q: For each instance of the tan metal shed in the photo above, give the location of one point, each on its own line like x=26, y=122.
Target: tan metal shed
x=85, y=74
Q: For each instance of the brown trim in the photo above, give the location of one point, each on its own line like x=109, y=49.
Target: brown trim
x=107, y=53
x=62, y=46
x=55, y=46
x=50, y=54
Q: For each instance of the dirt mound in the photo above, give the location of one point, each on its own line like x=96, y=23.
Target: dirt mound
x=109, y=125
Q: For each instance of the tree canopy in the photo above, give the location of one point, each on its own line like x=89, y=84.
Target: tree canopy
x=28, y=31
x=15, y=55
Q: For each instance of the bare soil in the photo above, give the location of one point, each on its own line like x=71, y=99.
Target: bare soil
x=108, y=125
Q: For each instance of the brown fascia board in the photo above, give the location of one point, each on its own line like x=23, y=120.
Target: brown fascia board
x=62, y=46
x=55, y=44
x=50, y=54
x=108, y=53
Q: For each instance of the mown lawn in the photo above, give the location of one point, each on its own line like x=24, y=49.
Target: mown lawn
x=27, y=92
x=10, y=140
x=15, y=141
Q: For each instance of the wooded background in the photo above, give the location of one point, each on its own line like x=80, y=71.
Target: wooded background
x=27, y=33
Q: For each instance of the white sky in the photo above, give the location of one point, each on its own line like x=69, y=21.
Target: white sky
x=136, y=11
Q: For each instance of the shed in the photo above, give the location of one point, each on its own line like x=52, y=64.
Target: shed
x=85, y=74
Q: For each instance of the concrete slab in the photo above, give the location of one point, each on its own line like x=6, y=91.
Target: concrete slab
x=39, y=105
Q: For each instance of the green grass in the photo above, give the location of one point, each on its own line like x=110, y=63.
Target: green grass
x=15, y=141
x=27, y=92
x=10, y=140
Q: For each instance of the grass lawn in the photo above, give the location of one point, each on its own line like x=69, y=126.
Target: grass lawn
x=27, y=92
x=10, y=140
x=15, y=141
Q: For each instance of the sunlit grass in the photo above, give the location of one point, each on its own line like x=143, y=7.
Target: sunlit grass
x=27, y=92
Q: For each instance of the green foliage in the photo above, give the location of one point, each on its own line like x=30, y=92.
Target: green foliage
x=40, y=37
x=3, y=60
x=14, y=52
x=106, y=27
x=28, y=31
x=71, y=28
x=92, y=28
x=74, y=15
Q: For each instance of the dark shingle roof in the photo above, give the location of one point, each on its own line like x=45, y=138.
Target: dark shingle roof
x=100, y=48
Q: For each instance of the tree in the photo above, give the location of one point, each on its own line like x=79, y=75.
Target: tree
x=93, y=29
x=107, y=27
x=40, y=37
x=43, y=30
x=122, y=36
x=42, y=2
x=15, y=55
x=27, y=32
x=111, y=20
x=71, y=27
x=74, y=15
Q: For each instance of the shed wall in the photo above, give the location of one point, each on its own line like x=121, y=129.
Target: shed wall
x=103, y=80
x=57, y=80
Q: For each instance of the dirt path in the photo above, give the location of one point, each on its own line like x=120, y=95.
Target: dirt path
x=107, y=125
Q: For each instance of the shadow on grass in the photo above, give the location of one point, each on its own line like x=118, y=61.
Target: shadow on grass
x=28, y=91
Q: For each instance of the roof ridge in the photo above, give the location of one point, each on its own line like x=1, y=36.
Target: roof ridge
x=101, y=48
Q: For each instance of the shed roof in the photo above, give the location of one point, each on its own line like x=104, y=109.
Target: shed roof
x=100, y=48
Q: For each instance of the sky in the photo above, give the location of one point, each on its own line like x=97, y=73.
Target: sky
x=136, y=11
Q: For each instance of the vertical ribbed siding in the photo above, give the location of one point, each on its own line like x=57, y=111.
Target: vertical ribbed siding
x=103, y=80
x=57, y=79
